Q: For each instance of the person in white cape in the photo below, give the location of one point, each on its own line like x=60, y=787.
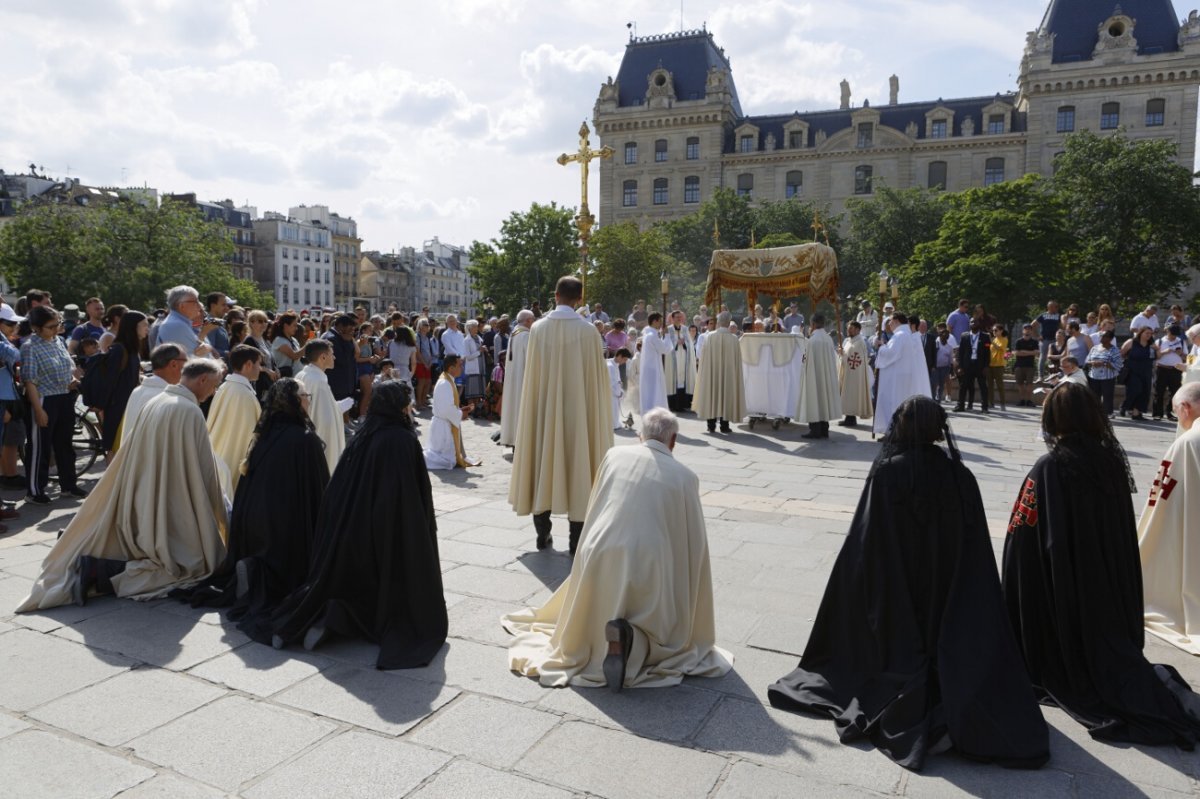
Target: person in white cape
x=720, y=385
x=903, y=371
x=681, y=366
x=166, y=366
x=637, y=607
x=156, y=520
x=323, y=409
x=614, y=379
x=234, y=413
x=445, y=450
x=652, y=375
x=514, y=377
x=1169, y=522
x=856, y=377
x=820, y=397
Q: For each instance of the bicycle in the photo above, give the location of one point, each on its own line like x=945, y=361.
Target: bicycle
x=86, y=438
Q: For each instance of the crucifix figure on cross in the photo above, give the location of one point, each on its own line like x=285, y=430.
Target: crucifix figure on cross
x=584, y=219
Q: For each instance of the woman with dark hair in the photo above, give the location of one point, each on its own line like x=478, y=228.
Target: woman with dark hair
x=1073, y=584
x=910, y=648
x=285, y=349
x=375, y=571
x=1140, y=353
x=48, y=376
x=122, y=366
x=270, y=541
x=111, y=322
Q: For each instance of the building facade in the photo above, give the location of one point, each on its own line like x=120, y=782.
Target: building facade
x=676, y=124
x=238, y=223
x=347, y=247
x=384, y=281
x=294, y=261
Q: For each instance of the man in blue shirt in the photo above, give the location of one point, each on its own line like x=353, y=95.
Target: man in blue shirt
x=217, y=305
x=959, y=321
x=1047, y=325
x=92, y=327
x=180, y=326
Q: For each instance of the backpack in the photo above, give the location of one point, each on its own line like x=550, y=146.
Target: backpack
x=98, y=382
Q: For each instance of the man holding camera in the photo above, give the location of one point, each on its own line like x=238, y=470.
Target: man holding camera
x=186, y=325
x=216, y=306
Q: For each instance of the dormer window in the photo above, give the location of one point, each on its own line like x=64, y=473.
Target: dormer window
x=796, y=140
x=866, y=134
x=995, y=125
x=937, y=129
x=746, y=143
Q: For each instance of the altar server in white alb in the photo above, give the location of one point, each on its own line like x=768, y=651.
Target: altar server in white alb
x=903, y=371
x=820, y=397
x=445, y=449
x=652, y=373
x=1169, y=533
x=856, y=377
x=323, y=409
x=720, y=387
x=681, y=366
x=614, y=379
x=234, y=413
x=514, y=377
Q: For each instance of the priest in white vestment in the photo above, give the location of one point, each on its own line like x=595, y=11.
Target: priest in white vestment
x=903, y=371
x=514, y=377
x=614, y=381
x=324, y=411
x=445, y=450
x=156, y=519
x=1169, y=523
x=234, y=414
x=855, y=377
x=681, y=366
x=633, y=379
x=637, y=608
x=720, y=386
x=166, y=365
x=565, y=427
x=820, y=395
x=652, y=374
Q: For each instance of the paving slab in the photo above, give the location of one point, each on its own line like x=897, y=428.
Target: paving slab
x=10, y=725
x=38, y=765
x=231, y=741
x=479, y=620
x=749, y=781
x=476, y=554
x=172, y=786
x=489, y=731
x=498, y=584
x=128, y=705
x=619, y=766
x=354, y=765
x=377, y=700
x=463, y=778
x=38, y=668
x=260, y=670
x=666, y=714
x=480, y=669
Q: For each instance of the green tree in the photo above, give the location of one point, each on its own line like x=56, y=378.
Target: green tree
x=885, y=231
x=44, y=248
x=629, y=265
x=795, y=217
x=1001, y=246
x=773, y=240
x=1136, y=215
x=535, y=248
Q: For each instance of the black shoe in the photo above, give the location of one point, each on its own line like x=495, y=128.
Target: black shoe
x=959, y=409
x=37, y=499
x=712, y=426
x=725, y=427
x=542, y=524
x=1172, y=418
x=619, y=635
x=576, y=531
x=315, y=636
x=495, y=436
x=813, y=432
x=1122, y=413
x=849, y=421
x=86, y=574
x=13, y=481
x=80, y=493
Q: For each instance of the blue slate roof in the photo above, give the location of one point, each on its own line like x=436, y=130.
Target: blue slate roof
x=687, y=56
x=1075, y=24
x=892, y=116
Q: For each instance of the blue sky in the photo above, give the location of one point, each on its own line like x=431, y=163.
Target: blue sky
x=426, y=120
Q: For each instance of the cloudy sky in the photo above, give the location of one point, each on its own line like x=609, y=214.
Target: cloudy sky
x=426, y=119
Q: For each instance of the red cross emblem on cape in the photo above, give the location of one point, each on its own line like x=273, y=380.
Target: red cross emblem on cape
x=1024, y=511
x=855, y=361
x=1164, y=484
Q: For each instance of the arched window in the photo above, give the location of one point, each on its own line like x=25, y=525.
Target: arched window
x=631, y=152
x=660, y=150
x=993, y=171
x=1066, y=119
x=660, y=191
x=691, y=189
x=795, y=184
x=1110, y=116
x=1156, y=112
x=693, y=148
x=937, y=175
x=629, y=193
x=745, y=185
x=862, y=179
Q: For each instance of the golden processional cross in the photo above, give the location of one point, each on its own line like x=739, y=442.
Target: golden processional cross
x=584, y=221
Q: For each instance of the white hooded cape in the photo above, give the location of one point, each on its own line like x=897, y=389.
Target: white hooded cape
x=820, y=398
x=651, y=375
x=903, y=373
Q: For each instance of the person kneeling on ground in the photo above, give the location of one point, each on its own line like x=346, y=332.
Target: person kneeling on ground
x=640, y=588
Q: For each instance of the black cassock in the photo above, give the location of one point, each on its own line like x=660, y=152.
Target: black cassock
x=375, y=572
x=1073, y=586
x=271, y=528
x=911, y=642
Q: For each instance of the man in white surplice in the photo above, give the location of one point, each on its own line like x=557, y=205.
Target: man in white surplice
x=681, y=375
x=514, y=378
x=445, y=449
x=903, y=371
x=655, y=348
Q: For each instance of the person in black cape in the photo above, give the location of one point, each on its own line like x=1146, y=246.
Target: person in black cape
x=911, y=649
x=375, y=573
x=1073, y=585
x=274, y=515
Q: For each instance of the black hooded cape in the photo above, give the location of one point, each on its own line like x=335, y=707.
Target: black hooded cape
x=911, y=642
x=375, y=572
x=271, y=529
x=1073, y=587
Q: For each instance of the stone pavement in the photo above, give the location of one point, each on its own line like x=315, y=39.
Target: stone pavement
x=159, y=700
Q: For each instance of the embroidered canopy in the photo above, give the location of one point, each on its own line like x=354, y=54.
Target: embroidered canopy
x=804, y=270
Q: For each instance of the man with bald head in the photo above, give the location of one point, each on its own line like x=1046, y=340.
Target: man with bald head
x=1170, y=559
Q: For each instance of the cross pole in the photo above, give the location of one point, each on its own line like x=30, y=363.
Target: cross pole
x=584, y=220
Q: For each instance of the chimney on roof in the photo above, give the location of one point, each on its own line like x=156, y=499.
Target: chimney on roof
x=894, y=84
x=845, y=95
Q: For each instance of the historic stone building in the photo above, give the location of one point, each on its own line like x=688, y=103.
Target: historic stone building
x=346, y=246
x=674, y=119
x=293, y=261
x=237, y=222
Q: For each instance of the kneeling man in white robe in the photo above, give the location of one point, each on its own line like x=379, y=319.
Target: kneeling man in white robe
x=234, y=413
x=325, y=411
x=637, y=608
x=156, y=520
x=1171, y=518
x=445, y=449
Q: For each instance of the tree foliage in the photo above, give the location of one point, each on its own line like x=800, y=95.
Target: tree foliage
x=535, y=248
x=884, y=232
x=125, y=253
x=629, y=265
